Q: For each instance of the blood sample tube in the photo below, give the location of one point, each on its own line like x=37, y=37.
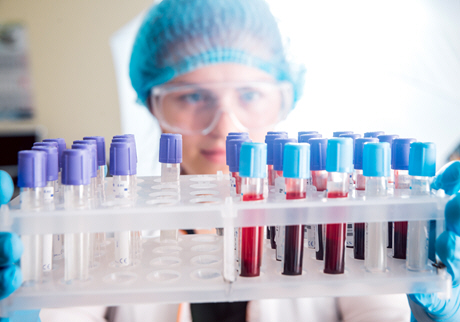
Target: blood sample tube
x=422, y=167
x=300, y=133
x=296, y=171
x=75, y=181
x=232, y=147
x=52, y=175
x=374, y=134
x=170, y=159
x=32, y=183
x=280, y=192
x=318, y=152
x=350, y=226
x=253, y=171
x=400, y=164
x=376, y=169
x=338, y=165
x=270, y=140
x=61, y=147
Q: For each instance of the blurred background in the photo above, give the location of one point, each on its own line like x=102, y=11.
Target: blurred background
x=391, y=66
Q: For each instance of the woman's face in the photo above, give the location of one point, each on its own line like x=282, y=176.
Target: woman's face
x=205, y=154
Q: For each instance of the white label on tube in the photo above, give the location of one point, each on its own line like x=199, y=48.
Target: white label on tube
x=235, y=248
x=280, y=188
x=350, y=234
x=232, y=187
x=279, y=242
x=121, y=189
x=311, y=236
x=122, y=249
x=57, y=246
x=316, y=239
x=47, y=252
x=48, y=193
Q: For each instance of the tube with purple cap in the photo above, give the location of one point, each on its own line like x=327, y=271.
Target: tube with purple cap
x=101, y=161
x=61, y=146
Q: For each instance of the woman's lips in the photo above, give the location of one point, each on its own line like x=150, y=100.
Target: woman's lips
x=215, y=155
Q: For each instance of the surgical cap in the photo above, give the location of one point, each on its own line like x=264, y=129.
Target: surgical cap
x=180, y=36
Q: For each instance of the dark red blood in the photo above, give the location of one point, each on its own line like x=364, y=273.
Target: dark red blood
x=251, y=251
x=296, y=195
x=336, y=234
x=400, y=239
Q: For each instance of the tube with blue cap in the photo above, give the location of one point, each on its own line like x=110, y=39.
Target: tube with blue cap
x=270, y=141
x=422, y=168
x=376, y=169
x=232, y=148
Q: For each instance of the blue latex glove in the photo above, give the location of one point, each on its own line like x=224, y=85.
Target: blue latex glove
x=10, y=253
x=429, y=307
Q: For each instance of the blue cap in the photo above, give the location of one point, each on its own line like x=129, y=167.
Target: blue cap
x=31, y=169
x=400, y=151
x=233, y=136
x=52, y=161
x=170, y=148
x=76, y=167
x=318, y=153
x=339, y=155
x=358, y=153
x=339, y=133
x=278, y=152
x=296, y=161
x=373, y=134
x=376, y=159
x=353, y=136
x=93, y=156
x=122, y=159
x=61, y=147
x=277, y=132
x=422, y=159
x=300, y=133
x=100, y=141
x=126, y=138
x=270, y=140
x=305, y=137
x=233, y=152
x=252, y=160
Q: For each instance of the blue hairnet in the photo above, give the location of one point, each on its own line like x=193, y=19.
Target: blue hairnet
x=179, y=36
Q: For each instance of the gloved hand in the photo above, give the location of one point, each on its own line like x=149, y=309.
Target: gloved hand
x=10, y=252
x=429, y=307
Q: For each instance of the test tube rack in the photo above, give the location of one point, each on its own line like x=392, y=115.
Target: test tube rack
x=202, y=268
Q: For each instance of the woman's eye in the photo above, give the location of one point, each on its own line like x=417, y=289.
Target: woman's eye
x=249, y=96
x=192, y=98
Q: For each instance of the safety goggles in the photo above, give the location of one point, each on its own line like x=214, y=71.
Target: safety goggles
x=196, y=108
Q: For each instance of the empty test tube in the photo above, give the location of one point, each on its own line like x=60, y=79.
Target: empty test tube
x=376, y=169
x=90, y=145
x=52, y=175
x=75, y=181
x=422, y=167
x=32, y=183
x=61, y=145
x=170, y=159
x=253, y=172
x=318, y=153
x=296, y=171
x=400, y=164
x=338, y=165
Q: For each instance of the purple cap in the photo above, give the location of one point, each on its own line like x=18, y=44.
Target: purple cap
x=389, y=139
x=305, y=137
x=233, y=153
x=52, y=162
x=300, y=133
x=52, y=144
x=400, y=150
x=373, y=134
x=93, y=156
x=170, y=148
x=278, y=132
x=270, y=140
x=61, y=147
x=318, y=153
x=126, y=138
x=76, y=164
x=31, y=169
x=100, y=142
x=278, y=152
x=358, y=153
x=339, y=133
x=122, y=159
x=233, y=136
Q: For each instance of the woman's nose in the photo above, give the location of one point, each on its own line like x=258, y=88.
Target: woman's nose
x=226, y=122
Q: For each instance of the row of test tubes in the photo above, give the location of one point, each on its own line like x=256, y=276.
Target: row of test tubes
x=377, y=164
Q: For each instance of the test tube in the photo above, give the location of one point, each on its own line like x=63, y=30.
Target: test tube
x=61, y=147
x=270, y=140
x=129, y=138
x=376, y=169
x=318, y=153
x=400, y=164
x=422, y=167
x=170, y=159
x=232, y=156
x=280, y=192
x=296, y=171
x=338, y=165
x=359, y=229
x=92, y=147
x=32, y=183
x=253, y=171
x=350, y=226
x=75, y=181
x=373, y=134
x=52, y=175
x=123, y=169
x=101, y=161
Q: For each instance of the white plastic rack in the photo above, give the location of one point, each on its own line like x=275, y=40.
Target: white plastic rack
x=201, y=268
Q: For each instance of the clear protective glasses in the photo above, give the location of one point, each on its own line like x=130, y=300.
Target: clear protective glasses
x=196, y=108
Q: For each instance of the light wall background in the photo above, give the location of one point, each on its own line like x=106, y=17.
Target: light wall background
x=73, y=78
